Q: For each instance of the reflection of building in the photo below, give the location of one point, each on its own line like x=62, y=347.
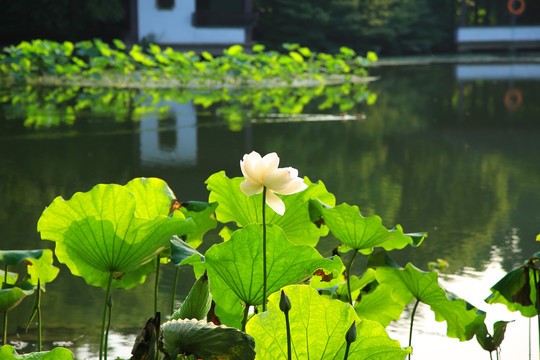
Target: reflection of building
x=171, y=140
x=496, y=24
x=192, y=23
x=497, y=72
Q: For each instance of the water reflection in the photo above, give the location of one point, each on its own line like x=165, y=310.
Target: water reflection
x=435, y=153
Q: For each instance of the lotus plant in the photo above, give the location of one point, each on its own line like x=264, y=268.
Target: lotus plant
x=262, y=175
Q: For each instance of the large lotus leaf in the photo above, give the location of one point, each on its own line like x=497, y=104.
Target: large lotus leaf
x=152, y=195
x=206, y=341
x=462, y=318
x=238, y=265
x=245, y=210
x=97, y=233
x=15, y=257
x=42, y=269
x=379, y=306
x=517, y=291
x=357, y=232
x=318, y=328
x=203, y=216
x=7, y=352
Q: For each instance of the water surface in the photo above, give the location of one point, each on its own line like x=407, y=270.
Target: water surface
x=437, y=152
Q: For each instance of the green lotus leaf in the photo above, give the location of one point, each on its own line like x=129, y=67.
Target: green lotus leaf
x=203, y=216
x=183, y=254
x=379, y=306
x=235, y=267
x=11, y=296
x=97, y=232
x=42, y=269
x=7, y=352
x=11, y=278
x=491, y=342
x=197, y=303
x=517, y=291
x=318, y=329
x=462, y=319
x=206, y=341
x=152, y=196
x=245, y=210
x=15, y=257
x=357, y=232
x=356, y=284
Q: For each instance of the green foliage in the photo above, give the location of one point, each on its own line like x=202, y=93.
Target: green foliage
x=96, y=63
x=296, y=222
x=360, y=233
x=462, y=319
x=197, y=303
x=235, y=268
x=518, y=289
x=318, y=330
x=492, y=342
x=7, y=352
x=113, y=228
x=387, y=26
x=206, y=340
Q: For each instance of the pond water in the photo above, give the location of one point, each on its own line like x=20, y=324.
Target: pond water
x=448, y=149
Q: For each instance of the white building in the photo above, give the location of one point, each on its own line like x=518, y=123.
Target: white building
x=192, y=23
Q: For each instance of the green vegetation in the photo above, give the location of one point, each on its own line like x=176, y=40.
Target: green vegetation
x=96, y=63
x=111, y=235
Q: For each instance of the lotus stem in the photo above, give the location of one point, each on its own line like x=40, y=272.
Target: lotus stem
x=245, y=317
x=105, y=308
x=264, y=246
x=108, y=326
x=38, y=301
x=4, y=338
x=349, y=276
x=174, y=288
x=156, y=286
x=537, y=302
x=412, y=321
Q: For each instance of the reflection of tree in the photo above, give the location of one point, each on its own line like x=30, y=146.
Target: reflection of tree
x=52, y=107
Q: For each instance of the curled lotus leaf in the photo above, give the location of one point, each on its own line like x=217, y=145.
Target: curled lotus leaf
x=113, y=229
x=206, y=340
x=15, y=257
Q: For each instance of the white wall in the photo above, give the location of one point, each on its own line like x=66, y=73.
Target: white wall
x=174, y=26
x=498, y=33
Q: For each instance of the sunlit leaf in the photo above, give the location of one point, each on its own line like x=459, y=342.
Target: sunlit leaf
x=357, y=232
x=379, y=306
x=203, y=218
x=197, y=303
x=7, y=352
x=206, y=340
x=97, y=232
x=462, y=319
x=237, y=265
x=318, y=329
x=244, y=210
x=42, y=269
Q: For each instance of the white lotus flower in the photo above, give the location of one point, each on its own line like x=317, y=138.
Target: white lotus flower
x=261, y=172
